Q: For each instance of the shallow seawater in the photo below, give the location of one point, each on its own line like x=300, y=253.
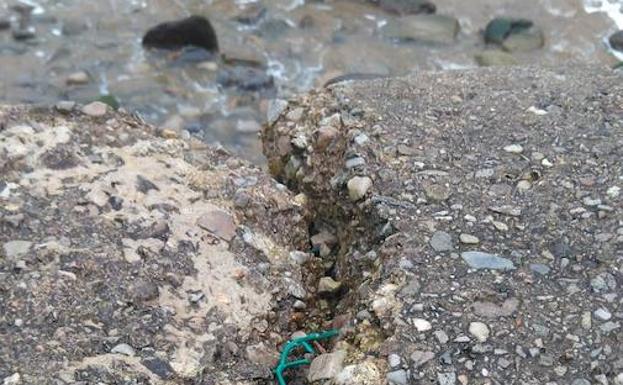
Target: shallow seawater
x=285, y=47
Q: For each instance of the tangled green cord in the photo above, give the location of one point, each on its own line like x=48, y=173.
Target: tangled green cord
x=303, y=342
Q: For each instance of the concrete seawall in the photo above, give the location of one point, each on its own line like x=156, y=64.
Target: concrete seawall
x=458, y=227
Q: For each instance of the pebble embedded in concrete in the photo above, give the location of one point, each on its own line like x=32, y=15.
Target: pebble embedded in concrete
x=479, y=330
x=95, y=109
x=358, y=187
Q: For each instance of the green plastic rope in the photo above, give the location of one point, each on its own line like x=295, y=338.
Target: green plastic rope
x=295, y=343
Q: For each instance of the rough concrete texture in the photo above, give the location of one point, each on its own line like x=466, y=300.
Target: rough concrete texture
x=128, y=257
x=488, y=248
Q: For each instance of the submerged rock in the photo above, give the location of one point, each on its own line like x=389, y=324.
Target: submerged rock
x=616, y=41
x=500, y=28
x=406, y=7
x=193, y=31
x=495, y=58
x=422, y=28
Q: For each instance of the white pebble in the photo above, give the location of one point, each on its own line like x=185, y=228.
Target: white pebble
x=479, y=330
x=514, y=148
x=422, y=325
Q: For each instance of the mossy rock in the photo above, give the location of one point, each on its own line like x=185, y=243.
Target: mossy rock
x=500, y=28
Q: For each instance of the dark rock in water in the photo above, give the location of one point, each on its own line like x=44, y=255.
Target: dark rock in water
x=22, y=34
x=245, y=78
x=73, y=27
x=193, y=31
x=353, y=76
x=4, y=23
x=616, y=41
x=407, y=7
x=433, y=29
x=500, y=28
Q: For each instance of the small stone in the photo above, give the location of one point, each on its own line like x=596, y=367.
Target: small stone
x=16, y=249
x=77, y=78
x=143, y=290
x=481, y=260
x=397, y=377
x=124, y=349
x=602, y=314
x=539, y=268
x=511, y=211
x=446, y=378
x=441, y=241
x=326, y=134
x=276, y=107
x=420, y=357
x=95, y=109
x=299, y=257
x=469, y=239
x=248, y=126
x=13, y=379
x=422, y=325
x=437, y=192
x=358, y=187
x=25, y=33
x=546, y=163
x=514, y=149
x=524, y=185
x=326, y=366
x=219, y=223
x=613, y=192
x=479, y=330
x=610, y=326
x=328, y=285
x=167, y=133
x=65, y=106
x=393, y=360
x=586, y=320
x=295, y=115
x=616, y=41
x=441, y=336
x=159, y=367
x=618, y=380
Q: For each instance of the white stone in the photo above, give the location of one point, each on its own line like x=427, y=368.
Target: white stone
x=124, y=349
x=613, y=192
x=326, y=366
x=16, y=249
x=546, y=163
x=393, y=360
x=479, y=330
x=358, y=187
x=469, y=239
x=602, y=314
x=514, y=148
x=95, y=109
x=13, y=379
x=422, y=325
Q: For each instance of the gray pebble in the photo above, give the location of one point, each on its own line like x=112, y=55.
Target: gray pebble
x=441, y=241
x=481, y=260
